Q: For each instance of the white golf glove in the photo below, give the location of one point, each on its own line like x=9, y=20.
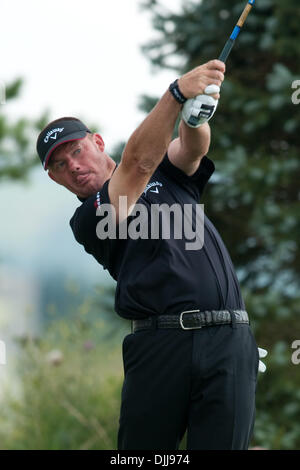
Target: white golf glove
x=262, y=353
x=196, y=111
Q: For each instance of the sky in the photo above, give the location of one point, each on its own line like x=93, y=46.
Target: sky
x=76, y=58
x=81, y=59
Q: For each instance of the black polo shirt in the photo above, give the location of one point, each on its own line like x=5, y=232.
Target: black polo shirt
x=161, y=276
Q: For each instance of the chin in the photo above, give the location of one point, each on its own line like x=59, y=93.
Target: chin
x=87, y=191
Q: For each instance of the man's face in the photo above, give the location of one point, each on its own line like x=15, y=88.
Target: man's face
x=80, y=166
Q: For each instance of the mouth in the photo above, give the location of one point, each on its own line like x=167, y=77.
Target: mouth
x=82, y=179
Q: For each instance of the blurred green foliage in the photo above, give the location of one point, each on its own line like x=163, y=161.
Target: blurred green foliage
x=17, y=150
x=70, y=380
x=253, y=196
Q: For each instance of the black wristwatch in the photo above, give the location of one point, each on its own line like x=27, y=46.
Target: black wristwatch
x=174, y=89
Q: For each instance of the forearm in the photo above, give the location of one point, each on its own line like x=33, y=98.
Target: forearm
x=194, y=142
x=149, y=142
x=186, y=151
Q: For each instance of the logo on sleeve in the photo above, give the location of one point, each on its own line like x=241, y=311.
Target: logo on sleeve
x=153, y=187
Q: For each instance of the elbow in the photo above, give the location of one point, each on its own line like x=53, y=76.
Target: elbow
x=146, y=166
x=138, y=163
x=205, y=150
x=144, y=160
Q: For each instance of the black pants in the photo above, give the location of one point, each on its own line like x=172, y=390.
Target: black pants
x=202, y=381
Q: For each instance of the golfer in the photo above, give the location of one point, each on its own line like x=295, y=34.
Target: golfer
x=191, y=361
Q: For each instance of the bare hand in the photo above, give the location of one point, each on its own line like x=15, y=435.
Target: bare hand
x=193, y=83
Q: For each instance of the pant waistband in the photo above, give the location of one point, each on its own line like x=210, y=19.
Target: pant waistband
x=191, y=319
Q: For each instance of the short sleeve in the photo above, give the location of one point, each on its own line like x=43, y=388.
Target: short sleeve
x=194, y=183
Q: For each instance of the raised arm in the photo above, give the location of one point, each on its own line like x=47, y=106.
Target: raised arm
x=193, y=142
x=186, y=151
x=149, y=143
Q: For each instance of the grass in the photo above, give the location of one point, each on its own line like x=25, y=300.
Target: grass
x=70, y=391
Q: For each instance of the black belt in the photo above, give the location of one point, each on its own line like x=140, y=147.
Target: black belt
x=191, y=319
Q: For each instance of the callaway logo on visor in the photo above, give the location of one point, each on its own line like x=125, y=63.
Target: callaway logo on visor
x=50, y=136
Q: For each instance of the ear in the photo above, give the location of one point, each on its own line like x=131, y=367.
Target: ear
x=99, y=141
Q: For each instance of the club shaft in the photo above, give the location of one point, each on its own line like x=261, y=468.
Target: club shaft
x=226, y=51
x=230, y=43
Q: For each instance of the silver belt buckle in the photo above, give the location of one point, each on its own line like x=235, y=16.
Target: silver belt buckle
x=191, y=327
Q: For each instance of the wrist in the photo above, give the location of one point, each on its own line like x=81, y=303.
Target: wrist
x=176, y=93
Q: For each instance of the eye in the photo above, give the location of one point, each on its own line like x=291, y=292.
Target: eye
x=59, y=165
x=78, y=150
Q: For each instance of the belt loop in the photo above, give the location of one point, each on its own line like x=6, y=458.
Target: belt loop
x=233, y=319
x=131, y=326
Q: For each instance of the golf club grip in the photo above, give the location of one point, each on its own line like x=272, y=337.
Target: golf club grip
x=226, y=51
x=245, y=13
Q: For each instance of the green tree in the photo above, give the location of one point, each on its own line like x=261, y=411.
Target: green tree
x=17, y=153
x=253, y=197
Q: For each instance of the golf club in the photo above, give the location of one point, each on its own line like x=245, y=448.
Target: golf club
x=230, y=43
x=200, y=109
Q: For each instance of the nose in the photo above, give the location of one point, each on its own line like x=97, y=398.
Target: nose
x=73, y=165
